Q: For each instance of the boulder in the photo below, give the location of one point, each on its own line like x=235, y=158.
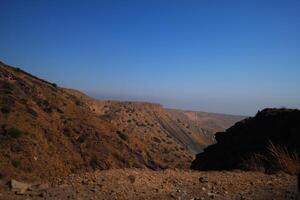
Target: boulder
x=251, y=136
x=19, y=187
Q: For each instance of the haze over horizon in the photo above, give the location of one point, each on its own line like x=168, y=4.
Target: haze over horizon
x=231, y=57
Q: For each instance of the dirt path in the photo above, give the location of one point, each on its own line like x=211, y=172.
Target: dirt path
x=136, y=184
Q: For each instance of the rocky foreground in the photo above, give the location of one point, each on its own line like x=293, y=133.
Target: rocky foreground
x=169, y=184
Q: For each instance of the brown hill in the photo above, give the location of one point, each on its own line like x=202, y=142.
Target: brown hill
x=253, y=136
x=47, y=131
x=207, y=122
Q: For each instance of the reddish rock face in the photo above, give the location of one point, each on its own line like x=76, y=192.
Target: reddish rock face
x=250, y=136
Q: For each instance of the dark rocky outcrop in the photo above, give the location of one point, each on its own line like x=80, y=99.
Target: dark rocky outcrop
x=250, y=136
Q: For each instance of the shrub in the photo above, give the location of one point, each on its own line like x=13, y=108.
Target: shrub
x=48, y=110
x=16, y=163
x=59, y=110
x=82, y=138
x=54, y=85
x=277, y=158
x=284, y=160
x=67, y=132
x=106, y=117
x=15, y=133
x=31, y=111
x=42, y=102
x=5, y=109
x=78, y=103
x=2, y=175
x=94, y=162
x=256, y=162
x=131, y=178
x=157, y=140
x=123, y=136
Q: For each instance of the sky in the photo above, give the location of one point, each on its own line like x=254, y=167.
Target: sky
x=233, y=56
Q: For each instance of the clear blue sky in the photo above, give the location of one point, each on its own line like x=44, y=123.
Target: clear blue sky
x=218, y=56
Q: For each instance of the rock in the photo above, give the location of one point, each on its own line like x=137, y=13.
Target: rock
x=216, y=182
x=203, y=179
x=131, y=178
x=19, y=187
x=42, y=194
x=43, y=186
x=251, y=136
x=94, y=190
x=211, y=195
x=84, y=182
x=39, y=187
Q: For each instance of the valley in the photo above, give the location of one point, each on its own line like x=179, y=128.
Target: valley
x=47, y=131
x=59, y=143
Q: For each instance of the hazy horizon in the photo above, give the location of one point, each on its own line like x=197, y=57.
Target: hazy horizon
x=233, y=57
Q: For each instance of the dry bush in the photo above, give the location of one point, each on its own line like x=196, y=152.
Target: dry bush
x=256, y=162
x=278, y=158
x=283, y=160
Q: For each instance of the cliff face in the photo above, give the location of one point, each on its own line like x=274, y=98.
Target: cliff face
x=250, y=136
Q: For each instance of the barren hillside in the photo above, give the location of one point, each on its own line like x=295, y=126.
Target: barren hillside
x=47, y=131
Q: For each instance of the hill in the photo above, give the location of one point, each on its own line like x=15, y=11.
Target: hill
x=47, y=131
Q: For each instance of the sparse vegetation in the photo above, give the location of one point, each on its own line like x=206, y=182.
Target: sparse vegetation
x=283, y=159
x=106, y=117
x=16, y=163
x=7, y=103
x=15, y=133
x=131, y=178
x=256, y=162
x=95, y=163
x=67, y=132
x=5, y=109
x=44, y=104
x=78, y=103
x=82, y=138
x=2, y=175
x=123, y=136
x=278, y=158
x=157, y=140
x=31, y=111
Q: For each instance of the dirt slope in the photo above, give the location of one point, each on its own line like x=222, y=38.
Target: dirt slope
x=133, y=184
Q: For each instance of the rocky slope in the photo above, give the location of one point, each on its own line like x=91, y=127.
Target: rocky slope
x=208, y=122
x=47, y=131
x=281, y=127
